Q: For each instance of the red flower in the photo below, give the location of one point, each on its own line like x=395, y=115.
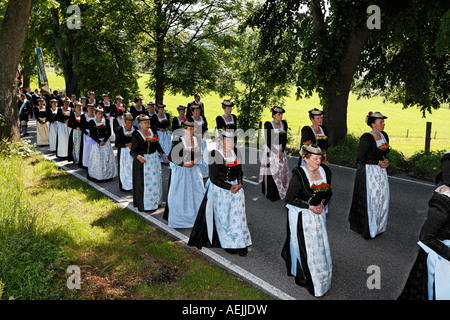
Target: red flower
x=370, y=113
x=308, y=143
x=321, y=187
x=232, y=164
x=185, y=119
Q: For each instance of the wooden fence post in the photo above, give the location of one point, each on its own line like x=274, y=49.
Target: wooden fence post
x=428, y=138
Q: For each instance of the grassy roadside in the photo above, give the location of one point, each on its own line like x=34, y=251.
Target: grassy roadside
x=50, y=220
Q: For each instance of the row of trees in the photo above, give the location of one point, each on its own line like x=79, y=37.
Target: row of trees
x=253, y=52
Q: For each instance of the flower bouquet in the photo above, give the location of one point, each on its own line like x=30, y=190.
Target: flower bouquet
x=232, y=164
x=322, y=193
x=384, y=146
x=151, y=139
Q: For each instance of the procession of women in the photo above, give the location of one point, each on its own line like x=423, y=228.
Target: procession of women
x=206, y=191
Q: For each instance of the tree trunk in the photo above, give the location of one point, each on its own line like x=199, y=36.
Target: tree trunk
x=159, y=74
x=12, y=35
x=160, y=33
x=26, y=74
x=338, y=89
x=68, y=60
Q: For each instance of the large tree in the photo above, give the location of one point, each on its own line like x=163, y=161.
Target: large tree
x=12, y=35
x=336, y=47
x=178, y=40
x=96, y=55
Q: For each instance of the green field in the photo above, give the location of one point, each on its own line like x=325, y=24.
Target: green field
x=406, y=127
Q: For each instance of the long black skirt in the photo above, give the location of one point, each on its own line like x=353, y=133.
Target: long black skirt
x=358, y=217
x=303, y=277
x=199, y=233
x=416, y=285
x=272, y=191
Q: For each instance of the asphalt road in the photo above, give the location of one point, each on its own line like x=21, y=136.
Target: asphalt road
x=393, y=252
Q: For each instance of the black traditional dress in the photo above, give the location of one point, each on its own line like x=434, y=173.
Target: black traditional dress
x=75, y=137
x=135, y=111
x=124, y=158
x=221, y=123
x=62, y=140
x=370, y=204
x=176, y=123
x=111, y=112
x=185, y=191
x=87, y=141
x=147, y=177
x=165, y=137
x=52, y=128
x=102, y=163
x=429, y=278
x=41, y=126
x=221, y=220
x=320, y=139
x=274, y=174
x=306, y=250
x=201, y=126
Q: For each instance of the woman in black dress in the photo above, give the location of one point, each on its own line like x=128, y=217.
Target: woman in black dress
x=176, y=121
x=160, y=124
x=62, y=140
x=306, y=251
x=85, y=154
x=227, y=121
x=138, y=109
x=102, y=163
x=221, y=220
x=124, y=159
x=274, y=170
x=52, y=124
x=76, y=133
x=429, y=278
x=40, y=112
x=200, y=127
x=316, y=133
x=370, y=202
x=185, y=191
x=110, y=113
x=147, y=175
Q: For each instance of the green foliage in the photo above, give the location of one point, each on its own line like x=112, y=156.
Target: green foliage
x=345, y=152
x=21, y=148
x=28, y=261
x=429, y=161
x=400, y=61
x=28, y=267
x=179, y=42
x=442, y=44
x=98, y=56
x=397, y=161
